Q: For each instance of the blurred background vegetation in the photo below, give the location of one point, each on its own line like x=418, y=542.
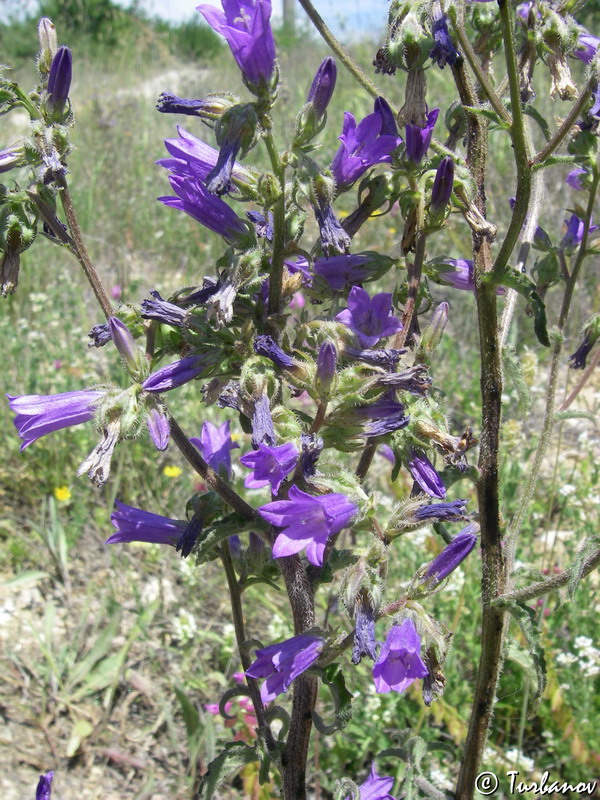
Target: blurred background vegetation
x=111, y=655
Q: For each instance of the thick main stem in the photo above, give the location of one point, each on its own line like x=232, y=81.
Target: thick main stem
x=494, y=568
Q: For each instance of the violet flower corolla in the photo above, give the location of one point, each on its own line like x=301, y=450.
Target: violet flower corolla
x=246, y=27
x=135, y=525
x=44, y=787
x=365, y=643
x=386, y=416
x=579, y=357
x=162, y=311
x=449, y=512
x=11, y=157
x=59, y=80
x=263, y=225
x=371, y=319
x=442, y=186
x=159, y=428
x=308, y=522
x=376, y=787
x=175, y=374
x=418, y=138
x=312, y=447
x=349, y=269
x=38, y=415
x=215, y=445
x=575, y=178
x=193, y=158
x=125, y=344
x=399, y=662
x=574, y=235
x=456, y=272
x=322, y=87
x=326, y=368
x=265, y=345
x=363, y=146
x=451, y=556
x=425, y=474
x=194, y=199
x=443, y=51
x=587, y=46
x=281, y=663
x=270, y=465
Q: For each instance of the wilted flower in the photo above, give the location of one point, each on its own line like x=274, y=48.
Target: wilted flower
x=363, y=146
x=443, y=51
x=281, y=663
x=425, y=474
x=308, y=521
x=370, y=319
x=399, y=662
x=418, y=138
x=100, y=335
x=162, y=311
x=263, y=226
x=37, y=415
x=270, y=466
x=575, y=178
x=175, y=374
x=216, y=445
x=449, y=512
x=364, y=630
x=579, y=357
x=134, y=525
x=350, y=269
x=312, y=447
x=97, y=464
x=209, y=109
x=245, y=25
x=44, y=787
x=263, y=431
x=451, y=556
x=266, y=346
x=574, y=234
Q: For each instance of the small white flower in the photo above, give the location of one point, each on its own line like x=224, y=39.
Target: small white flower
x=564, y=659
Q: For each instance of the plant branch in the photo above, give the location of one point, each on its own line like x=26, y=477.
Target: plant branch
x=276, y=275
x=582, y=381
x=566, y=125
x=550, y=584
x=340, y=51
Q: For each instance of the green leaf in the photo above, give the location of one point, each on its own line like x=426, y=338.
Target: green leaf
x=523, y=284
x=515, y=653
x=100, y=648
x=30, y=576
x=576, y=415
x=229, y=762
x=535, y=114
x=80, y=731
x=210, y=537
x=489, y=115
x=526, y=618
x=191, y=717
x=333, y=678
x=590, y=546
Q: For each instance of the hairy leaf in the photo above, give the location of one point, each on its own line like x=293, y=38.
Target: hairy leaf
x=230, y=761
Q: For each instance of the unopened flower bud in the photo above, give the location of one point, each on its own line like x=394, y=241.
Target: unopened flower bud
x=59, y=80
x=432, y=335
x=451, y=556
x=323, y=84
x=209, y=109
x=326, y=368
x=48, y=44
x=442, y=186
x=125, y=343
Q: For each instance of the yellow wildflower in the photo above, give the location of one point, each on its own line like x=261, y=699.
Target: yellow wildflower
x=62, y=494
x=172, y=471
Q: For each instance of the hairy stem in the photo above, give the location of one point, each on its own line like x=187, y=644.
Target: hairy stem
x=240, y=635
x=80, y=249
x=566, y=126
x=414, y=282
x=550, y=584
x=494, y=568
x=276, y=275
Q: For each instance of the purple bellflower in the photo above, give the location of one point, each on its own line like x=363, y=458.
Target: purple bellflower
x=575, y=178
x=364, y=630
x=281, y=663
x=443, y=51
x=376, y=787
x=321, y=90
x=158, y=428
x=334, y=238
x=385, y=415
x=388, y=120
x=399, y=662
x=246, y=27
x=442, y=186
x=326, y=368
x=59, y=80
x=212, y=212
x=124, y=342
x=579, y=357
x=425, y=474
x=349, y=269
x=263, y=226
x=44, y=787
x=308, y=521
x=312, y=447
x=371, y=319
x=363, y=146
x=266, y=346
x=574, y=234
x=174, y=375
x=216, y=445
x=11, y=157
x=418, y=139
x=451, y=556
x=587, y=46
x=37, y=415
x=270, y=466
x=134, y=525
x=263, y=431
x=447, y=512
x=193, y=158
x=162, y=311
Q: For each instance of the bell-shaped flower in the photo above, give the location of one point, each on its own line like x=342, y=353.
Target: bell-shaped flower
x=246, y=27
x=216, y=445
x=425, y=474
x=175, y=374
x=44, y=787
x=418, y=138
x=270, y=465
x=399, y=662
x=376, y=787
x=308, y=522
x=452, y=555
x=37, y=415
x=134, y=525
x=371, y=319
x=281, y=663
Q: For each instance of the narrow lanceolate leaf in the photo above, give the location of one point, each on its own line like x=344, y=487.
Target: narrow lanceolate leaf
x=514, y=370
x=191, y=717
x=522, y=284
x=590, y=546
x=333, y=678
x=514, y=652
x=560, y=415
x=526, y=617
x=229, y=762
